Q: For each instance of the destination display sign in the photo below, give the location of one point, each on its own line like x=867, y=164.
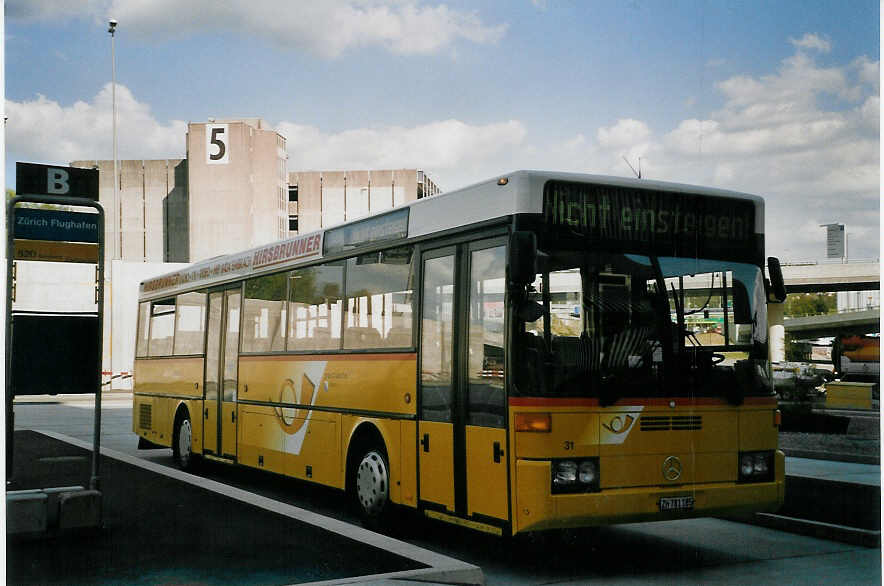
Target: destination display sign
x=663, y=222
x=40, y=224
x=392, y=226
x=35, y=179
x=52, y=251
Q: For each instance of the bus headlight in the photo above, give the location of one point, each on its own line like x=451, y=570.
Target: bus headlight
x=570, y=476
x=564, y=473
x=588, y=472
x=756, y=466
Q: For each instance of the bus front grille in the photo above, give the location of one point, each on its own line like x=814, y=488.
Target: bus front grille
x=144, y=416
x=671, y=423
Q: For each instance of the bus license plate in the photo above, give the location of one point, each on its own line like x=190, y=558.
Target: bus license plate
x=677, y=503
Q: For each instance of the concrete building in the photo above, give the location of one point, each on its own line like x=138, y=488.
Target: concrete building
x=149, y=223
x=236, y=185
x=317, y=199
x=233, y=192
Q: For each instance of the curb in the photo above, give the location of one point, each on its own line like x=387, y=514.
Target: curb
x=818, y=529
x=834, y=456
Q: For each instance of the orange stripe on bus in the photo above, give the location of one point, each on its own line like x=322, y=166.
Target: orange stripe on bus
x=330, y=357
x=631, y=401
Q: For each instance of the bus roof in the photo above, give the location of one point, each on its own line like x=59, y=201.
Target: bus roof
x=518, y=192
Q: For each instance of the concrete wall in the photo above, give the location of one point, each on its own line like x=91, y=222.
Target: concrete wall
x=176, y=215
x=326, y=198
x=151, y=230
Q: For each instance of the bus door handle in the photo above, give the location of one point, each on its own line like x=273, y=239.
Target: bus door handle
x=498, y=452
x=207, y=412
x=426, y=442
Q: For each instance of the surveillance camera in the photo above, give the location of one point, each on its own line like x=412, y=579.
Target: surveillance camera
x=112, y=26
x=112, y=22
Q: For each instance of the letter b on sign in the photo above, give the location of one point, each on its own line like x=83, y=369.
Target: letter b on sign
x=57, y=181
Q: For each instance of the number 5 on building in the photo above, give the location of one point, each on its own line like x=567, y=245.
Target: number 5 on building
x=216, y=144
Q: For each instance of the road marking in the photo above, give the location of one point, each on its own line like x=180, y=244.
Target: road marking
x=441, y=568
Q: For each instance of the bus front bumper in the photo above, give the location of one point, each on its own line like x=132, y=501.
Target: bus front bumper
x=535, y=508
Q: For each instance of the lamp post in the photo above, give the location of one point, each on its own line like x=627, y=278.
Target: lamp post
x=118, y=231
x=118, y=253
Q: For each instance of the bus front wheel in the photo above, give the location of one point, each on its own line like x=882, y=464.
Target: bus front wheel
x=372, y=484
x=182, y=442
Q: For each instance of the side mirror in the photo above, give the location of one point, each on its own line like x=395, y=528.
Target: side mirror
x=777, y=285
x=523, y=257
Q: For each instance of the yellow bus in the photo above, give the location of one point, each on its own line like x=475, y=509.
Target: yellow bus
x=510, y=357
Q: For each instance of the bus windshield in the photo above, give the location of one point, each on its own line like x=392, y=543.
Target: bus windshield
x=609, y=325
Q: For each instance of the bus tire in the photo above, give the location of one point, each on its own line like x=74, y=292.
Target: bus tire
x=371, y=484
x=182, y=441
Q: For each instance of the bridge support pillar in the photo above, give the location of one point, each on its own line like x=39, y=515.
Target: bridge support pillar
x=776, y=332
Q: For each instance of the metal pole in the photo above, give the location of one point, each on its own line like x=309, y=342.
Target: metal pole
x=96, y=437
x=118, y=212
x=118, y=240
x=10, y=390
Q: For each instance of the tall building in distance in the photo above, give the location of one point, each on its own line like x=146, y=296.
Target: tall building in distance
x=233, y=192
x=236, y=186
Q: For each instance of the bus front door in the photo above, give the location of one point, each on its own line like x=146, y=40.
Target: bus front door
x=462, y=429
x=222, y=352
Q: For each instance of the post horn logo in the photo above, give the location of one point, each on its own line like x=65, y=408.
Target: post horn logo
x=291, y=419
x=619, y=424
x=671, y=468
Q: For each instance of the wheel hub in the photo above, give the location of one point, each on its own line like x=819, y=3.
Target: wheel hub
x=185, y=436
x=372, y=483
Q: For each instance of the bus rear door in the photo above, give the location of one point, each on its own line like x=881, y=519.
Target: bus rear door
x=222, y=352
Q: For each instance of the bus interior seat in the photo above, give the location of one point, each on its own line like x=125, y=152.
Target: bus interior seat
x=398, y=337
x=360, y=337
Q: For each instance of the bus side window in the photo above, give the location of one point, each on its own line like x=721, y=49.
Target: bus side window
x=264, y=314
x=143, y=330
x=162, y=327
x=314, y=311
x=190, y=320
x=379, y=300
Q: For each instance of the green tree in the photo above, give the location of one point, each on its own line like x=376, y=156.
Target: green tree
x=798, y=304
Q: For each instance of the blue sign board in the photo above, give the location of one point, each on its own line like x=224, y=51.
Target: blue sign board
x=55, y=225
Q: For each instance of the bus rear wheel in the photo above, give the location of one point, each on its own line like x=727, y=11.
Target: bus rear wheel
x=372, y=485
x=182, y=442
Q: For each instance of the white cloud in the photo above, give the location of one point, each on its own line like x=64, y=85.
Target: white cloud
x=624, y=133
x=812, y=41
x=450, y=148
x=44, y=130
x=31, y=10
x=328, y=28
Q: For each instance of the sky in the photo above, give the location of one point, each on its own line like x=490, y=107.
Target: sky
x=779, y=99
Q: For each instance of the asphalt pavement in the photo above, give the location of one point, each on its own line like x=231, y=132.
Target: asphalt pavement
x=164, y=526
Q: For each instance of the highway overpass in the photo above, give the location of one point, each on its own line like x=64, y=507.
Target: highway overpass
x=824, y=277
x=867, y=321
